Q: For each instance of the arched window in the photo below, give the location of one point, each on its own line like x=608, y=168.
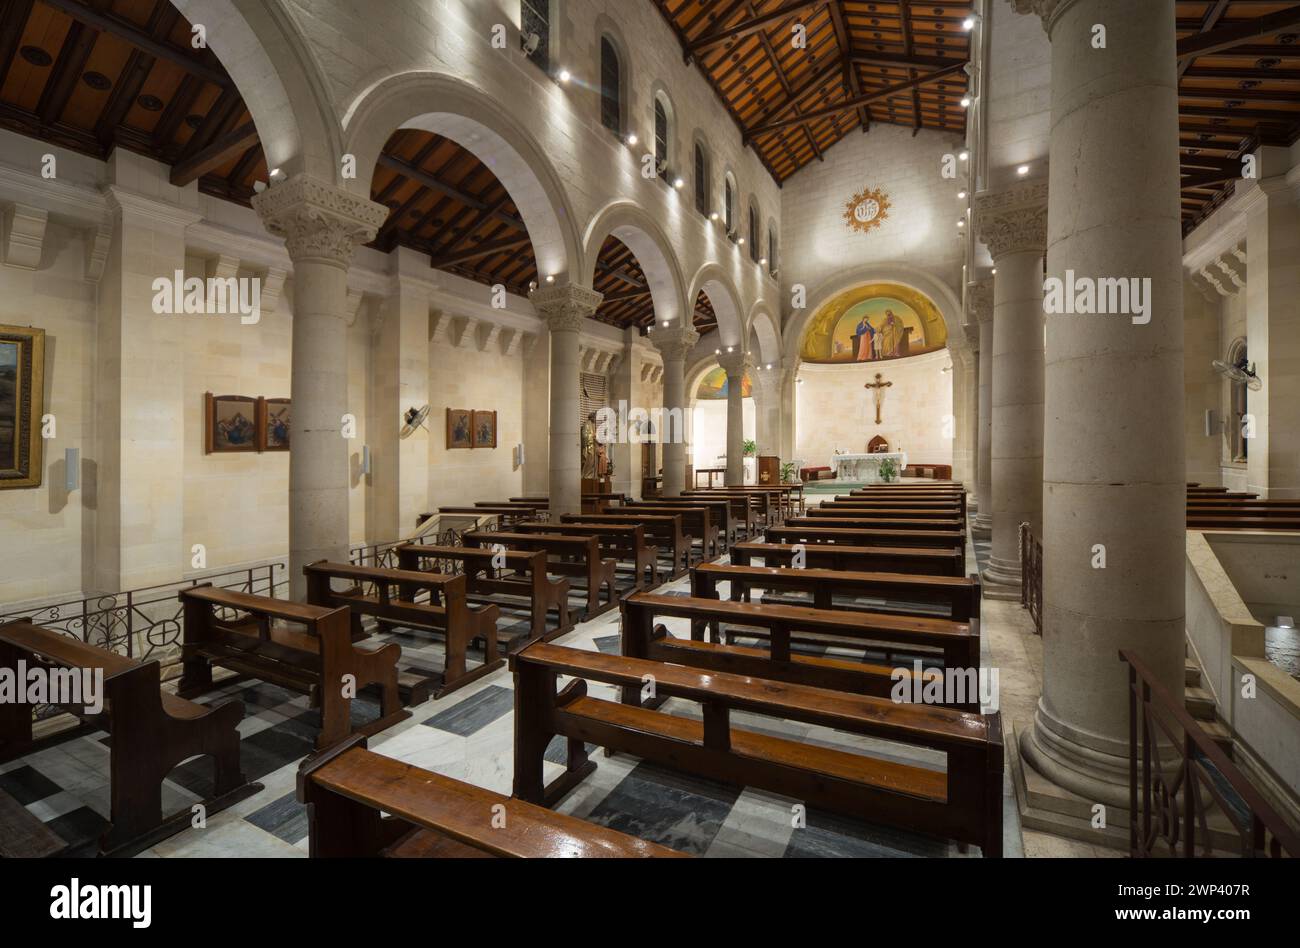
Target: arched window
x=535, y=18
x=661, y=137
x=611, y=87
x=729, y=205
x=755, y=248
x=701, y=180
x=771, y=250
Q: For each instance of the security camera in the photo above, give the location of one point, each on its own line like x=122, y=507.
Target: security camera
x=661, y=166
x=530, y=42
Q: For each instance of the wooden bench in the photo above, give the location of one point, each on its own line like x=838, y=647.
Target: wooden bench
x=962, y=803
x=1277, y=520
x=907, y=498
x=152, y=732
x=320, y=660
x=506, y=515
x=574, y=557
x=664, y=529
x=726, y=527
x=527, y=578
x=958, y=642
x=876, y=521
x=868, y=536
x=1232, y=505
x=748, y=509
x=348, y=789
x=912, y=513
x=698, y=521
x=625, y=541
x=393, y=602
x=23, y=835
x=835, y=556
x=957, y=596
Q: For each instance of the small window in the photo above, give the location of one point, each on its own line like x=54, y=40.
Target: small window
x=755, y=249
x=611, y=87
x=536, y=19
x=661, y=138
x=701, y=180
x=771, y=251
x=729, y=205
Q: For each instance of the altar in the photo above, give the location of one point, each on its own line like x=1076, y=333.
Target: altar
x=865, y=468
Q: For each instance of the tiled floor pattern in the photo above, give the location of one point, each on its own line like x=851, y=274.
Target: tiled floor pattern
x=469, y=735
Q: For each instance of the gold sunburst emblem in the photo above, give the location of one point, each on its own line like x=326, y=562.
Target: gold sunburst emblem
x=867, y=211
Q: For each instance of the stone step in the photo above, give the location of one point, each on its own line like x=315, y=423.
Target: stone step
x=1192, y=674
x=1220, y=734
x=1200, y=704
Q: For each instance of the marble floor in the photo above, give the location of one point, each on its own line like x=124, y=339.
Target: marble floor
x=469, y=735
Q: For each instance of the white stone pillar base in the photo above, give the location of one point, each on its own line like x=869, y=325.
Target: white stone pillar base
x=1002, y=580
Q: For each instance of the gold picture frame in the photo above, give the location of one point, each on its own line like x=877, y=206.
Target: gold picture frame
x=22, y=406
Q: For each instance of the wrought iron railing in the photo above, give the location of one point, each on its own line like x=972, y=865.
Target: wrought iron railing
x=1175, y=787
x=1031, y=576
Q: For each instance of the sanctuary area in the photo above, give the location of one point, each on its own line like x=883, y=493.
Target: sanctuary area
x=649, y=428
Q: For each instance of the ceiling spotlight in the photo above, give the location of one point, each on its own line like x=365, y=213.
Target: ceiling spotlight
x=961, y=223
x=965, y=102
x=731, y=348
x=741, y=241
x=665, y=324
x=678, y=183
x=565, y=75
x=961, y=195
x=1022, y=170
x=995, y=271
x=717, y=352
x=769, y=367
x=631, y=138
x=550, y=278
x=964, y=155
x=713, y=216
x=968, y=24
x=763, y=261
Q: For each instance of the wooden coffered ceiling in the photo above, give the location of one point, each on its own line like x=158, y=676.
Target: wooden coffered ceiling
x=1239, y=87
x=898, y=62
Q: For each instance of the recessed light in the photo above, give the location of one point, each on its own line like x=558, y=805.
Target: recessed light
x=1022, y=170
x=961, y=195
x=565, y=75
x=550, y=278
x=964, y=155
x=36, y=56
x=632, y=139
x=968, y=24
x=678, y=183
x=965, y=102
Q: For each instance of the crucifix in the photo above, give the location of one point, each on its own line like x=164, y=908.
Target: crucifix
x=879, y=386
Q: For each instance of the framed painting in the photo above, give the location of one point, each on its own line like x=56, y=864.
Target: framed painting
x=22, y=404
x=485, y=429
x=230, y=424
x=460, y=429
x=273, y=424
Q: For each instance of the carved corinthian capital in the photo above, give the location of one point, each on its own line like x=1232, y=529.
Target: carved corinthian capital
x=981, y=301
x=1049, y=10
x=565, y=307
x=736, y=364
x=318, y=221
x=1013, y=220
x=675, y=343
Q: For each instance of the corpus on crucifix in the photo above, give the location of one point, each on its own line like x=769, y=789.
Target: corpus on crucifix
x=879, y=386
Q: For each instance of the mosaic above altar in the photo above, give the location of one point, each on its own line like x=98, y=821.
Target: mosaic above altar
x=875, y=322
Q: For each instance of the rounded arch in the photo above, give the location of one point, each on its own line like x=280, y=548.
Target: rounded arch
x=713, y=281
x=480, y=125
x=938, y=291
x=646, y=239
x=767, y=330
x=279, y=80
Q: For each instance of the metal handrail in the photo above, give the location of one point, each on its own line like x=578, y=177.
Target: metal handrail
x=1263, y=831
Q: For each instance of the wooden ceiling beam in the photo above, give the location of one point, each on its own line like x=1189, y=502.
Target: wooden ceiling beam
x=213, y=156
x=482, y=250
x=13, y=20
x=422, y=177
x=751, y=25
x=865, y=58
x=851, y=81
x=77, y=44
x=123, y=30
x=784, y=82
x=161, y=22
x=1237, y=33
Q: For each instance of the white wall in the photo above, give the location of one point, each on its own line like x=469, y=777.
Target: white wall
x=709, y=420
x=834, y=412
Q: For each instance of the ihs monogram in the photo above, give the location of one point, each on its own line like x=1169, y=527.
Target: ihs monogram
x=867, y=211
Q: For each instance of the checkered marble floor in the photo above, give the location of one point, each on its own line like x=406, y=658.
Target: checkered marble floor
x=469, y=735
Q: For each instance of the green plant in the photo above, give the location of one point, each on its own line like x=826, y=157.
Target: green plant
x=750, y=448
x=888, y=470
x=787, y=472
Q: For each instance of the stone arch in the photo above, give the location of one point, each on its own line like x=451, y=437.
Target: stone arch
x=641, y=233
x=938, y=291
x=479, y=124
x=713, y=280
x=279, y=80
x=765, y=331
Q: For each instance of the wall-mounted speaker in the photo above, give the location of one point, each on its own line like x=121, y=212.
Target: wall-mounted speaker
x=72, y=468
x=365, y=459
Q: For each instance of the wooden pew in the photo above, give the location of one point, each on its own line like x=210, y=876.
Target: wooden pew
x=448, y=611
x=697, y=520
x=914, y=513
x=906, y=498
x=1281, y=520
x=625, y=541
x=527, y=578
x=886, y=503
x=664, y=529
x=1231, y=505
x=835, y=556
x=506, y=515
x=959, y=596
x=152, y=732
x=726, y=527
x=575, y=557
x=749, y=508
x=313, y=661
x=875, y=521
x=348, y=788
x=780, y=625
x=868, y=536
x=964, y=803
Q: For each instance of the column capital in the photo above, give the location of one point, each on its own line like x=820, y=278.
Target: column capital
x=1049, y=10
x=318, y=221
x=736, y=363
x=981, y=301
x=675, y=343
x=565, y=307
x=1013, y=220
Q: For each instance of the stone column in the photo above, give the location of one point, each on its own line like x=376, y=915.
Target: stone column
x=737, y=365
x=674, y=344
x=625, y=455
x=564, y=308
x=1114, y=539
x=982, y=310
x=767, y=416
x=322, y=226
x=960, y=427
x=1013, y=225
